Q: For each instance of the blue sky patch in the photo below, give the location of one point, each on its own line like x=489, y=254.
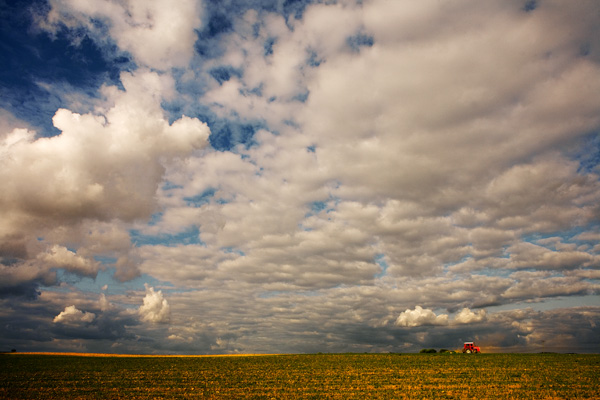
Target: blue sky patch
x=104, y=282
x=232, y=250
x=30, y=57
x=155, y=218
x=313, y=59
x=380, y=260
x=269, y=46
x=530, y=5
x=565, y=235
x=360, y=40
x=105, y=260
x=256, y=91
x=318, y=206
x=224, y=73
x=302, y=97
x=189, y=236
x=226, y=134
x=200, y=199
x=168, y=185
x=295, y=8
x=588, y=155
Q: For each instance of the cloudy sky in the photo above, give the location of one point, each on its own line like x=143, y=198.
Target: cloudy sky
x=270, y=176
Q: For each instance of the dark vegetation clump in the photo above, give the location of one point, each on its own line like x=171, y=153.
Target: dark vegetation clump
x=428, y=351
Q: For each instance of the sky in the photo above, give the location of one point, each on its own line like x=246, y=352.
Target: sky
x=280, y=176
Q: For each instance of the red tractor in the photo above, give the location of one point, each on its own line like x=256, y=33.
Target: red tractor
x=470, y=347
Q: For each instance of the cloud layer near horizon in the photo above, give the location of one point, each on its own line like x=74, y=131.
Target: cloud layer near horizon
x=394, y=175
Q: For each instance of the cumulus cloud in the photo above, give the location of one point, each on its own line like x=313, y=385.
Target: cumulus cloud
x=99, y=160
x=426, y=317
x=466, y=316
x=419, y=317
x=8, y=122
x=134, y=24
x=61, y=257
x=103, y=168
x=155, y=309
x=72, y=316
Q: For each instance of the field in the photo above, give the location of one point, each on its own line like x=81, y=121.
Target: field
x=333, y=376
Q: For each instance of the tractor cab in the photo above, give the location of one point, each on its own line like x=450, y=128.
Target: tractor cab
x=470, y=347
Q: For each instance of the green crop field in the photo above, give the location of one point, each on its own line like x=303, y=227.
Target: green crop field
x=333, y=376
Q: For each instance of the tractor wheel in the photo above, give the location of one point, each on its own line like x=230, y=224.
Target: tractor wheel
x=469, y=351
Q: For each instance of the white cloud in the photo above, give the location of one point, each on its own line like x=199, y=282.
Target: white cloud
x=72, y=316
x=590, y=236
x=105, y=167
x=103, y=302
x=426, y=317
x=99, y=161
x=529, y=255
x=466, y=316
x=155, y=309
x=419, y=317
x=134, y=24
x=61, y=257
x=8, y=122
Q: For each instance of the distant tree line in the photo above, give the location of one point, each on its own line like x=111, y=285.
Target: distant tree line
x=435, y=351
